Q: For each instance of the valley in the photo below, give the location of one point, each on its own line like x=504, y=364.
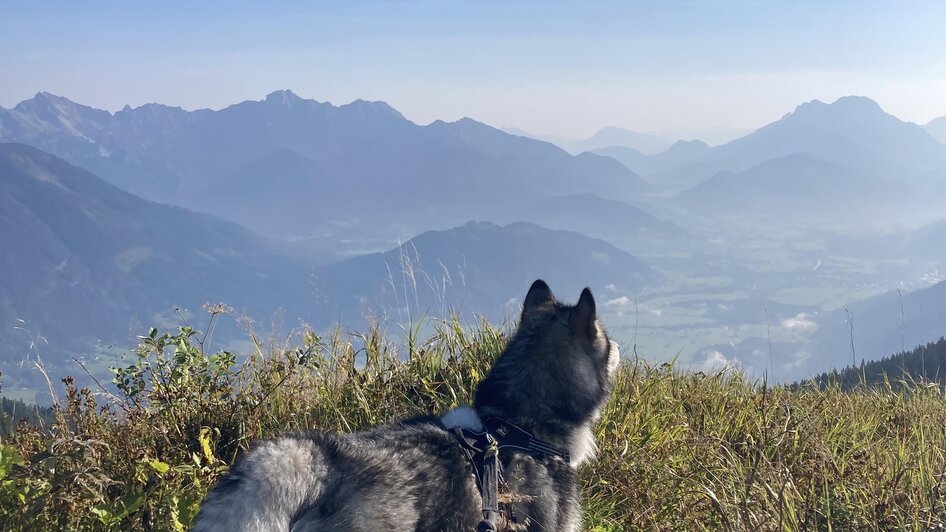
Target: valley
x=757, y=254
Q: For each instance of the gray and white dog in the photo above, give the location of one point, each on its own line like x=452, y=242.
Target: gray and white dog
x=552, y=380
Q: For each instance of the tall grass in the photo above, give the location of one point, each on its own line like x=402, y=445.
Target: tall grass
x=679, y=451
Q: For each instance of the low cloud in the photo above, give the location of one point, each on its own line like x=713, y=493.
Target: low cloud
x=716, y=361
x=801, y=322
x=622, y=301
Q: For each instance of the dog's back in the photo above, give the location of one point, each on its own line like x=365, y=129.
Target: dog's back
x=410, y=475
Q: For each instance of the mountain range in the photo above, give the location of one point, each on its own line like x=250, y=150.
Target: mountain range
x=853, y=131
x=291, y=166
x=360, y=176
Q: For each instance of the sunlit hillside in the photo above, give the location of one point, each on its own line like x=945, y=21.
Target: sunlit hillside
x=678, y=451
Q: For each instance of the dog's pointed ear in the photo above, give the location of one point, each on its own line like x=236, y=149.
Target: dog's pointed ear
x=584, y=314
x=539, y=295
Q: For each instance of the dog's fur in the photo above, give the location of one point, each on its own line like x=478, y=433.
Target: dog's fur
x=552, y=380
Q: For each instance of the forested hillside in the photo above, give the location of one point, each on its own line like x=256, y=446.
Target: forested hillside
x=925, y=364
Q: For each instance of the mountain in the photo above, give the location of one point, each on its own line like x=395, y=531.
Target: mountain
x=937, y=129
x=290, y=166
x=877, y=328
x=646, y=143
x=615, y=221
x=679, y=154
x=84, y=261
x=792, y=186
x=99, y=141
x=853, y=131
x=478, y=267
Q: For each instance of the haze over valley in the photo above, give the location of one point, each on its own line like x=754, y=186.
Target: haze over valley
x=767, y=252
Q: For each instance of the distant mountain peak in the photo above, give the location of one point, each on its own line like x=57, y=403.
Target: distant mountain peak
x=157, y=107
x=862, y=102
x=47, y=112
x=282, y=97
x=687, y=146
x=480, y=224
x=470, y=129
x=467, y=123
x=45, y=95
x=45, y=100
x=694, y=142
x=285, y=98
x=365, y=107
x=843, y=106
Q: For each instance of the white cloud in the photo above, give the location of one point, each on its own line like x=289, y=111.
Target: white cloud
x=622, y=301
x=717, y=361
x=801, y=322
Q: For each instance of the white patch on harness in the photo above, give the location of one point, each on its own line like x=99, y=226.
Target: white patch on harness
x=464, y=417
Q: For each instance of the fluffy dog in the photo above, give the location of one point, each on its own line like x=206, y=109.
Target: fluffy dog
x=548, y=385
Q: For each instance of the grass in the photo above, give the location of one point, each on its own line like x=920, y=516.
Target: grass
x=679, y=451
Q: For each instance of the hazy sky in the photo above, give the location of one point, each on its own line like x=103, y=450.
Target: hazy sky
x=545, y=66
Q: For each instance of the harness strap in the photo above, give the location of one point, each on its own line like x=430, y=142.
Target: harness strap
x=489, y=488
x=482, y=451
x=513, y=437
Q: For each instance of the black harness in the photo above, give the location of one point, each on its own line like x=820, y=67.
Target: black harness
x=482, y=450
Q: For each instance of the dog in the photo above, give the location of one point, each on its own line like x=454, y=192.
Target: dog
x=547, y=389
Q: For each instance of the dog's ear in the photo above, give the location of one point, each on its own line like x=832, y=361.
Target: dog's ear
x=584, y=314
x=539, y=295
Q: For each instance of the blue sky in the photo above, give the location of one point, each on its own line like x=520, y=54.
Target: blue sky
x=565, y=68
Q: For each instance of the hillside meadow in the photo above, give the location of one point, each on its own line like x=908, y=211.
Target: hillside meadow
x=678, y=450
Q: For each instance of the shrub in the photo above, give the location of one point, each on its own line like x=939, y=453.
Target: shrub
x=678, y=450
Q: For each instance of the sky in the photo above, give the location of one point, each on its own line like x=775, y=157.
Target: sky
x=547, y=67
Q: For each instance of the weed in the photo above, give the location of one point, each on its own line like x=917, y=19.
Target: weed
x=679, y=451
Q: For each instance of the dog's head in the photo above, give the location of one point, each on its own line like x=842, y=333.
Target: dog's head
x=556, y=369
